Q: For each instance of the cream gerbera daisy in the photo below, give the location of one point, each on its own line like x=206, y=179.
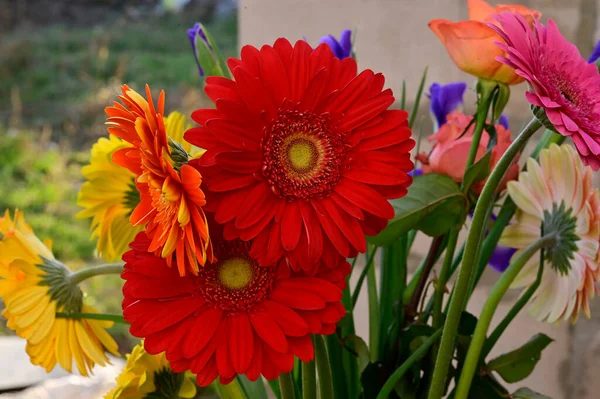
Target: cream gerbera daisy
x=556, y=195
x=34, y=287
x=150, y=376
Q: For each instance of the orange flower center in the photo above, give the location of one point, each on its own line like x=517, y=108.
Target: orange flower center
x=303, y=158
x=236, y=283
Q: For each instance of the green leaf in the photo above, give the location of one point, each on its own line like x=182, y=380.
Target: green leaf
x=526, y=393
x=487, y=387
x=274, y=384
x=518, y=364
x=415, y=110
x=478, y=171
x=252, y=389
x=467, y=324
x=417, y=210
x=362, y=350
x=233, y=390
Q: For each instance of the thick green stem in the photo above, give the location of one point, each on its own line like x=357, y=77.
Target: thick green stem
x=480, y=119
x=117, y=318
x=370, y=261
x=440, y=286
x=286, y=385
x=83, y=274
x=389, y=385
x=325, y=381
x=514, y=311
x=309, y=380
x=463, y=281
x=489, y=308
x=374, y=316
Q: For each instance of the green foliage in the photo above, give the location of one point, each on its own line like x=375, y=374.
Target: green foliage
x=518, y=364
x=434, y=204
x=42, y=181
x=477, y=172
x=526, y=393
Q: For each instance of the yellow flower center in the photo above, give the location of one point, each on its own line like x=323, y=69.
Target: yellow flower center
x=302, y=154
x=236, y=273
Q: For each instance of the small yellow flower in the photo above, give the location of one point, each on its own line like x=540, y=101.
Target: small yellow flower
x=34, y=286
x=146, y=374
x=108, y=197
x=556, y=195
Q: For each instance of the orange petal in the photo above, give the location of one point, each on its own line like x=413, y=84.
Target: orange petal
x=479, y=10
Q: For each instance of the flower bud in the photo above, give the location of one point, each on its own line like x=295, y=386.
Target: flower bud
x=208, y=57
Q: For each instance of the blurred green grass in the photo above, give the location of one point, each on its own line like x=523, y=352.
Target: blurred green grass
x=54, y=84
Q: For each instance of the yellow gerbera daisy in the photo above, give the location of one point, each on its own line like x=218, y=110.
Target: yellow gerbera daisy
x=556, y=195
x=109, y=196
x=147, y=375
x=34, y=288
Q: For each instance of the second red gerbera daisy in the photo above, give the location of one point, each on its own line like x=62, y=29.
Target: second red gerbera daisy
x=302, y=153
x=234, y=317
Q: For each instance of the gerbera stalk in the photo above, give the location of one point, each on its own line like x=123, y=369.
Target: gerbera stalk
x=564, y=89
x=302, y=153
x=34, y=287
x=151, y=376
x=557, y=194
x=108, y=197
x=234, y=317
x=171, y=198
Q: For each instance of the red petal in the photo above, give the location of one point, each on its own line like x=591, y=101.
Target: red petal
x=224, y=365
x=363, y=113
x=326, y=290
x=302, y=347
x=347, y=224
x=253, y=372
x=253, y=93
x=204, y=328
x=334, y=234
x=290, y=322
x=365, y=197
x=349, y=94
x=269, y=331
x=313, y=231
x=291, y=226
x=276, y=82
x=251, y=60
x=241, y=340
x=347, y=206
x=243, y=162
x=284, y=48
x=208, y=374
x=158, y=315
x=393, y=137
x=297, y=299
x=299, y=69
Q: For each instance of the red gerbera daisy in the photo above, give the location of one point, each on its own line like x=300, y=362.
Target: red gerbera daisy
x=234, y=317
x=170, y=196
x=302, y=153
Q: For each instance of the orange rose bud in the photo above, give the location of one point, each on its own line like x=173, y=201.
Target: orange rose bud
x=470, y=43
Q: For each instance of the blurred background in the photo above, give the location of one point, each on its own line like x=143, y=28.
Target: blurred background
x=63, y=61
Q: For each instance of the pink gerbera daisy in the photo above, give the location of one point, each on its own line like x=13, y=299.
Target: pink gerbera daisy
x=561, y=82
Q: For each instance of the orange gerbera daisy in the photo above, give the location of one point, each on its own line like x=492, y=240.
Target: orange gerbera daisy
x=170, y=196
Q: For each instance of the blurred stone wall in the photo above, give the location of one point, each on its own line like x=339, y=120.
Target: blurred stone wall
x=392, y=37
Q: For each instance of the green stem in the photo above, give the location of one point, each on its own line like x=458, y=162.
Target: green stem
x=489, y=308
x=547, y=138
x=325, y=382
x=83, y=274
x=480, y=119
x=286, y=385
x=461, y=287
x=389, y=385
x=117, y=318
x=374, y=316
x=514, y=311
x=440, y=286
x=309, y=380
x=370, y=260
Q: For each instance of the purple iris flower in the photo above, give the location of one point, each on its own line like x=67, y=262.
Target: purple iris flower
x=500, y=259
x=342, y=48
x=194, y=33
x=504, y=121
x=595, y=54
x=416, y=172
x=444, y=100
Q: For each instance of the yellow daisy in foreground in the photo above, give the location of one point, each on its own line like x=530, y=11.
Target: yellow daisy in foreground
x=556, y=195
x=109, y=196
x=150, y=376
x=34, y=287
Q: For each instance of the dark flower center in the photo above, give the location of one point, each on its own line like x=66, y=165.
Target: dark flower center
x=235, y=283
x=561, y=222
x=303, y=158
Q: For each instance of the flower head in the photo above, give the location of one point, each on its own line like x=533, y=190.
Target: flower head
x=444, y=100
x=171, y=200
x=563, y=88
x=234, y=317
x=108, y=197
x=451, y=149
x=149, y=376
x=471, y=44
x=556, y=195
x=302, y=153
x=206, y=53
x=341, y=48
x=34, y=287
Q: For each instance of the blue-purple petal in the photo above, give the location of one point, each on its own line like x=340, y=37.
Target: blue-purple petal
x=416, y=172
x=504, y=121
x=500, y=259
x=445, y=99
x=193, y=33
x=342, y=48
x=595, y=54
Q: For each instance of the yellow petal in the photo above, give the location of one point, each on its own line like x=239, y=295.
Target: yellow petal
x=91, y=347
x=63, y=348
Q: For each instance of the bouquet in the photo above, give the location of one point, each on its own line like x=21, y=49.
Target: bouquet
x=236, y=233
